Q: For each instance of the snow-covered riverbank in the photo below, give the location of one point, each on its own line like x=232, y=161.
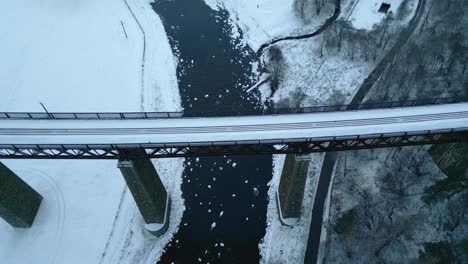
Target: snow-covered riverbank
x=86, y=56
x=255, y=18
x=283, y=244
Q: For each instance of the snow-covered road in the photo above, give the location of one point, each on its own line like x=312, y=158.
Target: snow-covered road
x=216, y=129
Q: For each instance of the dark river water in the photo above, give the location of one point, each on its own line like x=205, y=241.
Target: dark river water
x=225, y=197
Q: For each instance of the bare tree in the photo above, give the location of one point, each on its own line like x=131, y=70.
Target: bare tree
x=297, y=97
x=456, y=211
x=275, y=67
x=306, y=9
x=298, y=8
x=319, y=4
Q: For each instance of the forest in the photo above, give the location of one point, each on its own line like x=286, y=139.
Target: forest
x=405, y=205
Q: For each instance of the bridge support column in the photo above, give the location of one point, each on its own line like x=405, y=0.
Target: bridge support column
x=19, y=202
x=291, y=188
x=149, y=193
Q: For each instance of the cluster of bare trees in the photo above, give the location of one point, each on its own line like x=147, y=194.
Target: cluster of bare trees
x=275, y=67
x=307, y=9
x=384, y=219
x=378, y=222
x=360, y=44
x=433, y=63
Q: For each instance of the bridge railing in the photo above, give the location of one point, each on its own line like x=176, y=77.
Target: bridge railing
x=84, y=115
x=271, y=111
x=369, y=105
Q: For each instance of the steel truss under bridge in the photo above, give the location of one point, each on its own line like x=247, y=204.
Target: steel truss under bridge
x=274, y=146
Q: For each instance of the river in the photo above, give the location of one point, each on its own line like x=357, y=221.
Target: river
x=225, y=197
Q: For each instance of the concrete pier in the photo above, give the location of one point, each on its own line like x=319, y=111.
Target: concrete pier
x=149, y=193
x=19, y=202
x=291, y=188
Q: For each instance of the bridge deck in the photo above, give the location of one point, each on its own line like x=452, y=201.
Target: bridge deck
x=246, y=128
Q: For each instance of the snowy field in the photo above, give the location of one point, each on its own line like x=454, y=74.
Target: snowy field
x=365, y=13
x=86, y=56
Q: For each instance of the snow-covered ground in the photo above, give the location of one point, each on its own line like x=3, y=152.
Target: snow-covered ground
x=86, y=56
x=318, y=78
x=365, y=13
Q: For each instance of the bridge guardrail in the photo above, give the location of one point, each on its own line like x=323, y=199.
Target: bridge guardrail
x=88, y=115
x=370, y=105
x=271, y=111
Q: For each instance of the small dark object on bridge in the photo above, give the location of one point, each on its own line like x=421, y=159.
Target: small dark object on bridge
x=384, y=8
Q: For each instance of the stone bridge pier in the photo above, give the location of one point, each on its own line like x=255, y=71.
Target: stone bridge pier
x=291, y=188
x=148, y=191
x=19, y=202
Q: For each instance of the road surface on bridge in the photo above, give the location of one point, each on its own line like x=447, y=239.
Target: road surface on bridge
x=242, y=128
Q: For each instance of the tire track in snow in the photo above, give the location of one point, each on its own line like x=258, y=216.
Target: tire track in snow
x=143, y=59
x=61, y=209
x=59, y=204
x=116, y=219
